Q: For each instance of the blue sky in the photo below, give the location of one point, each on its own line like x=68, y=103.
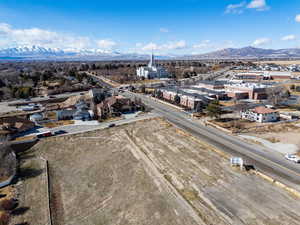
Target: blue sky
x=166, y=26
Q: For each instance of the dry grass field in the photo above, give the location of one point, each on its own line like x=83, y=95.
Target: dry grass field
x=151, y=173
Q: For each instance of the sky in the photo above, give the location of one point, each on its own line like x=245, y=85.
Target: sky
x=139, y=26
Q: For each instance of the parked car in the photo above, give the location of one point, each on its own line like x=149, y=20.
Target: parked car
x=292, y=158
x=44, y=134
x=59, y=132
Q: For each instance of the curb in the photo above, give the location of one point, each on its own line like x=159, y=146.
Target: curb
x=278, y=184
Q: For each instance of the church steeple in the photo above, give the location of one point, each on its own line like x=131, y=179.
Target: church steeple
x=152, y=61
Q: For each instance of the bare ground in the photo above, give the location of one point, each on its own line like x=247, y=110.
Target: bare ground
x=32, y=194
x=149, y=172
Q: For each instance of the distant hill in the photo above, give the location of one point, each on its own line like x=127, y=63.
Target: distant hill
x=248, y=53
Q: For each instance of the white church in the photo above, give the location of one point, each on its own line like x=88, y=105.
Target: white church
x=152, y=71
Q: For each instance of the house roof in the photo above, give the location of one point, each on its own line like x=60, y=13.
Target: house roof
x=263, y=110
x=119, y=97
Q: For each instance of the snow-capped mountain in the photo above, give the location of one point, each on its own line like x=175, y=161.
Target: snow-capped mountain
x=41, y=53
x=28, y=51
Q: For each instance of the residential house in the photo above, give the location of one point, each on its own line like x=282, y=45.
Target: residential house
x=14, y=125
x=260, y=114
x=115, y=105
x=81, y=112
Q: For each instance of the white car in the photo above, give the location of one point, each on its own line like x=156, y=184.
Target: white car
x=293, y=158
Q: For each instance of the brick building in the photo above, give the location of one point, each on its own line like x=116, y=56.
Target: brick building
x=247, y=90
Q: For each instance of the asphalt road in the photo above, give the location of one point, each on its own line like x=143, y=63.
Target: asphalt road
x=271, y=163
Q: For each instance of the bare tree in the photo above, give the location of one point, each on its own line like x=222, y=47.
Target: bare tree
x=238, y=108
x=277, y=94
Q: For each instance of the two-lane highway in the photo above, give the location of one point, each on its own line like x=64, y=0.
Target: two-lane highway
x=271, y=163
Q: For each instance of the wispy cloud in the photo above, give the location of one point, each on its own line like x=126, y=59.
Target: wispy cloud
x=106, y=44
x=11, y=37
x=176, y=45
x=164, y=30
x=261, y=42
x=259, y=5
x=203, y=45
x=235, y=8
x=297, y=18
x=239, y=8
x=289, y=38
x=207, y=45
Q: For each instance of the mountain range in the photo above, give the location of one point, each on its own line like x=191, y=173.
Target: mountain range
x=41, y=53
x=249, y=53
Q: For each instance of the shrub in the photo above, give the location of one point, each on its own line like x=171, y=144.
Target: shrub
x=8, y=204
x=4, y=218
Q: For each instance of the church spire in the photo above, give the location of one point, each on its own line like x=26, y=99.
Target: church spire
x=152, y=61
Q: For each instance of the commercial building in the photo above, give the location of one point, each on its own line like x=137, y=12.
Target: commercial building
x=260, y=114
x=219, y=94
x=212, y=85
x=232, y=89
x=152, y=71
x=246, y=90
x=263, y=75
x=250, y=75
x=185, y=99
x=274, y=75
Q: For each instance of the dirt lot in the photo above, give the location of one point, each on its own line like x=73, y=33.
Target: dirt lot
x=149, y=172
x=32, y=193
x=286, y=62
x=285, y=136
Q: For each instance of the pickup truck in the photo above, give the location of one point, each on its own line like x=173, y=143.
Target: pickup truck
x=293, y=158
